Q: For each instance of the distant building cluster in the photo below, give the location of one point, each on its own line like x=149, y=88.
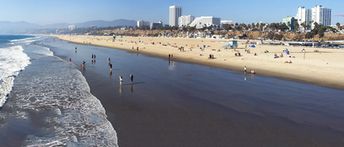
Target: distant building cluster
x=306, y=18
x=71, y=27
x=177, y=19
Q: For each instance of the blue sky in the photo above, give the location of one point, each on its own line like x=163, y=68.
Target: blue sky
x=72, y=11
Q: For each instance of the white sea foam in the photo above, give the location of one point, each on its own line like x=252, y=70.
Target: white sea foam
x=12, y=61
x=45, y=51
x=76, y=117
x=25, y=40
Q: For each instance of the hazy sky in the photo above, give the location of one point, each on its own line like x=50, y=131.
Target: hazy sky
x=72, y=11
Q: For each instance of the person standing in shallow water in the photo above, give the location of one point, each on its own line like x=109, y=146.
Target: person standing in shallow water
x=120, y=79
x=131, y=78
x=83, y=65
x=110, y=66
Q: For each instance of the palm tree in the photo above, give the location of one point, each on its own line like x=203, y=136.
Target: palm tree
x=304, y=25
x=338, y=25
x=296, y=26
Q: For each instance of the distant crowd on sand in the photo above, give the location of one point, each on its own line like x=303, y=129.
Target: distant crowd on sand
x=139, y=44
x=94, y=60
x=180, y=48
x=202, y=47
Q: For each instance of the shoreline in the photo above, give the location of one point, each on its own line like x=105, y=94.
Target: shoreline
x=51, y=110
x=172, y=102
x=328, y=81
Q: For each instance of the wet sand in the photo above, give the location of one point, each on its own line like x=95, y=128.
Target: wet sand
x=319, y=66
x=180, y=104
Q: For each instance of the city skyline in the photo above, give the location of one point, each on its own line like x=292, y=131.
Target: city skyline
x=48, y=12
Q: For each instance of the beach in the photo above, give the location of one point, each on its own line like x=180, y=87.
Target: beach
x=173, y=103
x=320, y=66
x=55, y=101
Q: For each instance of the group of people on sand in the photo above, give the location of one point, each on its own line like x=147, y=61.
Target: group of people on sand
x=170, y=56
x=131, y=77
x=94, y=57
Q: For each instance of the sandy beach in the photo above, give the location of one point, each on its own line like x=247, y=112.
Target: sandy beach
x=313, y=65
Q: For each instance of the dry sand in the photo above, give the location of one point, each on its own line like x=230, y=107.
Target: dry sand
x=318, y=65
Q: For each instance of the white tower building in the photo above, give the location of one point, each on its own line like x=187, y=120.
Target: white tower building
x=304, y=16
x=321, y=15
x=174, y=13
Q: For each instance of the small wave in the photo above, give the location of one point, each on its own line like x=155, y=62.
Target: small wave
x=25, y=40
x=41, y=50
x=13, y=60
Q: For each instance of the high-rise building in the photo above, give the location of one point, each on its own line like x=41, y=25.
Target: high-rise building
x=321, y=15
x=184, y=21
x=174, y=13
x=308, y=17
x=304, y=17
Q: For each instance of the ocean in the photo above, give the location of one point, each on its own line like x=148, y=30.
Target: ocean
x=46, y=101
x=12, y=61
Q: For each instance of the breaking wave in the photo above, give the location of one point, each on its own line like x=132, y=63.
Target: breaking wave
x=12, y=61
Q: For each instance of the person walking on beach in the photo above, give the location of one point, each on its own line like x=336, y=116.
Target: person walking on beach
x=131, y=78
x=83, y=65
x=76, y=49
x=245, y=69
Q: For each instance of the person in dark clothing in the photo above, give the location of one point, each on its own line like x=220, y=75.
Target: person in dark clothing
x=110, y=66
x=131, y=77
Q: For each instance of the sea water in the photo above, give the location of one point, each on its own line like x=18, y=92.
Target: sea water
x=48, y=99
x=12, y=61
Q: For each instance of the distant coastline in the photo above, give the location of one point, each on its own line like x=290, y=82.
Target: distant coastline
x=318, y=66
